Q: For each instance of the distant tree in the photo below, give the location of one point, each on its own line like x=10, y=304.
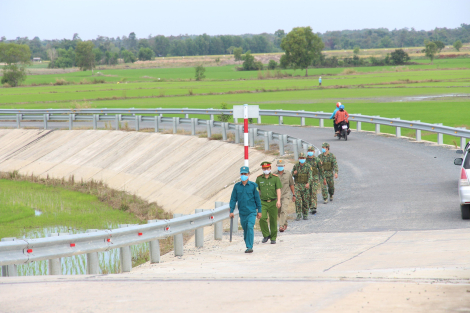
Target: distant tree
x=237, y=53
x=132, y=41
x=128, y=56
x=84, y=56
x=457, y=45
x=399, y=56
x=440, y=45
x=386, y=42
x=356, y=50
x=230, y=49
x=16, y=58
x=272, y=64
x=200, y=70
x=145, y=54
x=161, y=46
x=66, y=58
x=279, y=35
x=430, y=49
x=301, y=47
x=98, y=55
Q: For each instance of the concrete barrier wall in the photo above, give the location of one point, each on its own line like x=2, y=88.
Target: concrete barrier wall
x=178, y=172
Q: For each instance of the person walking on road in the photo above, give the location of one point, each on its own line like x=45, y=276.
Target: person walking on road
x=330, y=169
x=317, y=173
x=246, y=194
x=332, y=117
x=302, y=173
x=270, y=192
x=287, y=193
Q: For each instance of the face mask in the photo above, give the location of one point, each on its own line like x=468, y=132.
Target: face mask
x=302, y=161
x=280, y=168
x=267, y=172
x=323, y=150
x=310, y=153
x=244, y=177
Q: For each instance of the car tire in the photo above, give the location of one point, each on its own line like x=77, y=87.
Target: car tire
x=465, y=209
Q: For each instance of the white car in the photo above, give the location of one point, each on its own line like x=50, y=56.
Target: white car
x=464, y=181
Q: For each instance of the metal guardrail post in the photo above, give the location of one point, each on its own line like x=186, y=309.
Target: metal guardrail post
x=186, y=115
x=175, y=125
x=266, y=141
x=281, y=120
x=209, y=130
x=255, y=134
x=212, y=115
x=125, y=255
x=296, y=149
x=299, y=145
x=302, y=119
x=281, y=145
x=157, y=123
x=251, y=137
x=377, y=129
x=116, y=121
x=178, y=240
x=199, y=234
x=54, y=265
x=259, y=119
x=70, y=121
x=321, y=122
x=45, y=121
x=224, y=131
x=137, y=123
x=462, y=141
x=18, y=119
x=440, y=136
x=305, y=146
x=193, y=126
x=9, y=270
x=237, y=134
x=218, y=226
x=398, y=130
x=359, y=125
x=92, y=262
x=154, y=247
x=95, y=122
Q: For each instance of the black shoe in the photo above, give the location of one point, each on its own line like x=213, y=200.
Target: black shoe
x=305, y=217
x=313, y=211
x=265, y=239
x=298, y=218
x=249, y=251
x=273, y=242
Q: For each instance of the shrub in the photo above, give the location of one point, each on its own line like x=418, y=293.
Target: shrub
x=200, y=70
x=399, y=57
x=272, y=65
x=224, y=117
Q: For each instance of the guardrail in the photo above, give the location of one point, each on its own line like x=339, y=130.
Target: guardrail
x=15, y=251
x=156, y=116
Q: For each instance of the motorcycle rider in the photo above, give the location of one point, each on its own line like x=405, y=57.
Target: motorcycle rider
x=332, y=117
x=341, y=116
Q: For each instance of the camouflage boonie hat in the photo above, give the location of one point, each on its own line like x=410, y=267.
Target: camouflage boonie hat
x=281, y=163
x=301, y=155
x=311, y=148
x=325, y=145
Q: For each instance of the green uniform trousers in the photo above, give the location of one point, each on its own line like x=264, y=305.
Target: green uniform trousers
x=313, y=193
x=329, y=188
x=268, y=209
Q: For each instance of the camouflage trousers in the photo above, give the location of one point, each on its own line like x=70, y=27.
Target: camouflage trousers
x=302, y=199
x=313, y=193
x=329, y=188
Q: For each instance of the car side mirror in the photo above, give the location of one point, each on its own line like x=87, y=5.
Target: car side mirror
x=458, y=161
x=459, y=151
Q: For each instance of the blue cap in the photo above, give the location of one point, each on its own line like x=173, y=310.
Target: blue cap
x=244, y=169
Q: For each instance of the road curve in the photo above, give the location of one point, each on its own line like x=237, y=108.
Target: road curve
x=384, y=184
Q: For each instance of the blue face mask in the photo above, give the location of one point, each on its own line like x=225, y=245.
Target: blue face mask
x=244, y=177
x=323, y=150
x=280, y=168
x=302, y=161
x=310, y=153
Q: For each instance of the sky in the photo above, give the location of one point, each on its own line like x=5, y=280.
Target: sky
x=57, y=19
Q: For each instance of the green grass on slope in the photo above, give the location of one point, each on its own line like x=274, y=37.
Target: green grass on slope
x=59, y=207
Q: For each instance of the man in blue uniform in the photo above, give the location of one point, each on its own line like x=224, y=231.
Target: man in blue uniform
x=249, y=206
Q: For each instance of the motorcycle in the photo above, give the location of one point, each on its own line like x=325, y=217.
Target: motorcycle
x=344, y=131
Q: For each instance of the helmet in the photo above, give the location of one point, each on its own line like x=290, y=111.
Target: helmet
x=338, y=104
x=341, y=107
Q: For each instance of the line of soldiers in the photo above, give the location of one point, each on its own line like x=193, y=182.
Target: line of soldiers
x=269, y=197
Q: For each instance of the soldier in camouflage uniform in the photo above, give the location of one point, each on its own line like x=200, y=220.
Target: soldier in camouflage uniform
x=302, y=173
x=330, y=169
x=317, y=172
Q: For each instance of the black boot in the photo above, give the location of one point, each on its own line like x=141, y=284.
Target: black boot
x=265, y=239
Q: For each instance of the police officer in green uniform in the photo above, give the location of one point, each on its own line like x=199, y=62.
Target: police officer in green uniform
x=270, y=193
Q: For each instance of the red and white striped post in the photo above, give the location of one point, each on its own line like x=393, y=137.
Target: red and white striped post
x=245, y=134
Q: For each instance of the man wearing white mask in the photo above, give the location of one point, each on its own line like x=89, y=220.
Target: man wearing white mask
x=270, y=193
x=287, y=193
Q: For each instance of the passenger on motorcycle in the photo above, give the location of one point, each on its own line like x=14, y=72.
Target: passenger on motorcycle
x=341, y=116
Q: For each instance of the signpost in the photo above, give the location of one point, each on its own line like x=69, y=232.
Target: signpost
x=245, y=111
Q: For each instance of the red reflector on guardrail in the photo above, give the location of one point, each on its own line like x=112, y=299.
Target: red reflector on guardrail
x=212, y=217
x=139, y=234
x=167, y=228
x=72, y=245
x=29, y=250
x=108, y=240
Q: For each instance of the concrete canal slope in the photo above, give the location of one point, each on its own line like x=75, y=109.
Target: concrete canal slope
x=180, y=173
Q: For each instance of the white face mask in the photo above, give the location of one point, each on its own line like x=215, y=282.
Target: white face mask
x=267, y=172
